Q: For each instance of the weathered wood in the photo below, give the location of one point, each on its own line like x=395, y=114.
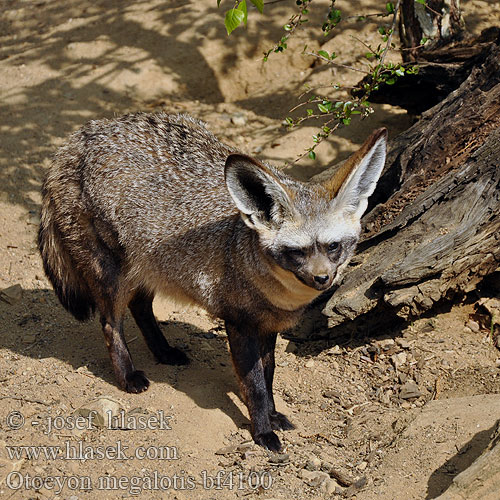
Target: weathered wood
x=480, y=481
x=438, y=21
x=435, y=226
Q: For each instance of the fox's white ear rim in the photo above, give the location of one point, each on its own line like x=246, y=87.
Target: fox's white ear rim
x=242, y=173
x=361, y=182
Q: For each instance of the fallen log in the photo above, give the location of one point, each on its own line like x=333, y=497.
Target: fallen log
x=433, y=226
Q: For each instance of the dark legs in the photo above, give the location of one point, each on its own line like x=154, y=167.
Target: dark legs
x=253, y=359
x=129, y=379
x=141, y=307
x=267, y=347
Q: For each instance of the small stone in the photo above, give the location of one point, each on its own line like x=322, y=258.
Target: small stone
x=310, y=363
x=497, y=362
x=279, y=458
x=12, y=294
x=467, y=330
x=332, y=395
x=410, y=390
x=399, y=359
x=245, y=446
x=101, y=411
x=342, y=478
x=386, y=343
x=238, y=119
x=362, y=466
x=329, y=486
x=313, y=464
x=334, y=350
x=404, y=344
x=226, y=450
x=291, y=347
x=473, y=325
x=315, y=478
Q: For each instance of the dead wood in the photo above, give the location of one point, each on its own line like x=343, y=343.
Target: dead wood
x=433, y=227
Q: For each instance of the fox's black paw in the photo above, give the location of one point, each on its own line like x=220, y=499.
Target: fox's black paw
x=172, y=356
x=136, y=382
x=268, y=440
x=279, y=422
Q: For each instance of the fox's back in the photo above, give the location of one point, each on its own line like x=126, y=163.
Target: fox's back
x=160, y=173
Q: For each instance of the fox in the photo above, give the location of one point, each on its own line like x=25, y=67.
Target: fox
x=152, y=203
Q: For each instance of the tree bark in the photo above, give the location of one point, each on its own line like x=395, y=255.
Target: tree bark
x=433, y=225
x=438, y=21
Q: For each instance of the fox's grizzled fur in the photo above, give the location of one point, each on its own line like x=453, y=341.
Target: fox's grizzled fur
x=153, y=203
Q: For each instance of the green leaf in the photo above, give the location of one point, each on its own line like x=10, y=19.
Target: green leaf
x=389, y=6
x=324, y=53
x=400, y=72
x=233, y=19
x=312, y=155
x=390, y=81
x=346, y=121
x=333, y=56
x=323, y=108
x=243, y=7
x=369, y=55
x=309, y=112
x=381, y=30
x=420, y=1
x=259, y=4
x=218, y=3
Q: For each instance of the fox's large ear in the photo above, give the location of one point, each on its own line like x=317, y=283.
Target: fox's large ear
x=257, y=192
x=355, y=181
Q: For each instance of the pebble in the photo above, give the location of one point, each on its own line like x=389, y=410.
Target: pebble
x=310, y=363
x=330, y=486
x=238, y=119
x=473, y=325
x=362, y=466
x=226, y=450
x=101, y=410
x=399, y=359
x=334, y=350
x=315, y=478
x=12, y=294
x=409, y=390
x=313, y=464
x=404, y=344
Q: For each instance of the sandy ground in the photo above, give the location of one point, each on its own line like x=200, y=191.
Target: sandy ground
x=360, y=430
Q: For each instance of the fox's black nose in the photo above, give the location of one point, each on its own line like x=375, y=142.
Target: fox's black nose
x=322, y=279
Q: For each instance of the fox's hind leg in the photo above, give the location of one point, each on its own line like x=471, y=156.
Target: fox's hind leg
x=267, y=347
x=141, y=307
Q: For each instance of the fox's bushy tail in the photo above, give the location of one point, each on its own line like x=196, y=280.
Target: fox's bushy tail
x=69, y=285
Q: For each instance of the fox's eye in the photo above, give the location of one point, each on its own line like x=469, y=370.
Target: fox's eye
x=332, y=247
x=296, y=252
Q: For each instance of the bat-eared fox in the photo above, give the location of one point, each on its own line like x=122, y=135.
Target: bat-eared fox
x=154, y=203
